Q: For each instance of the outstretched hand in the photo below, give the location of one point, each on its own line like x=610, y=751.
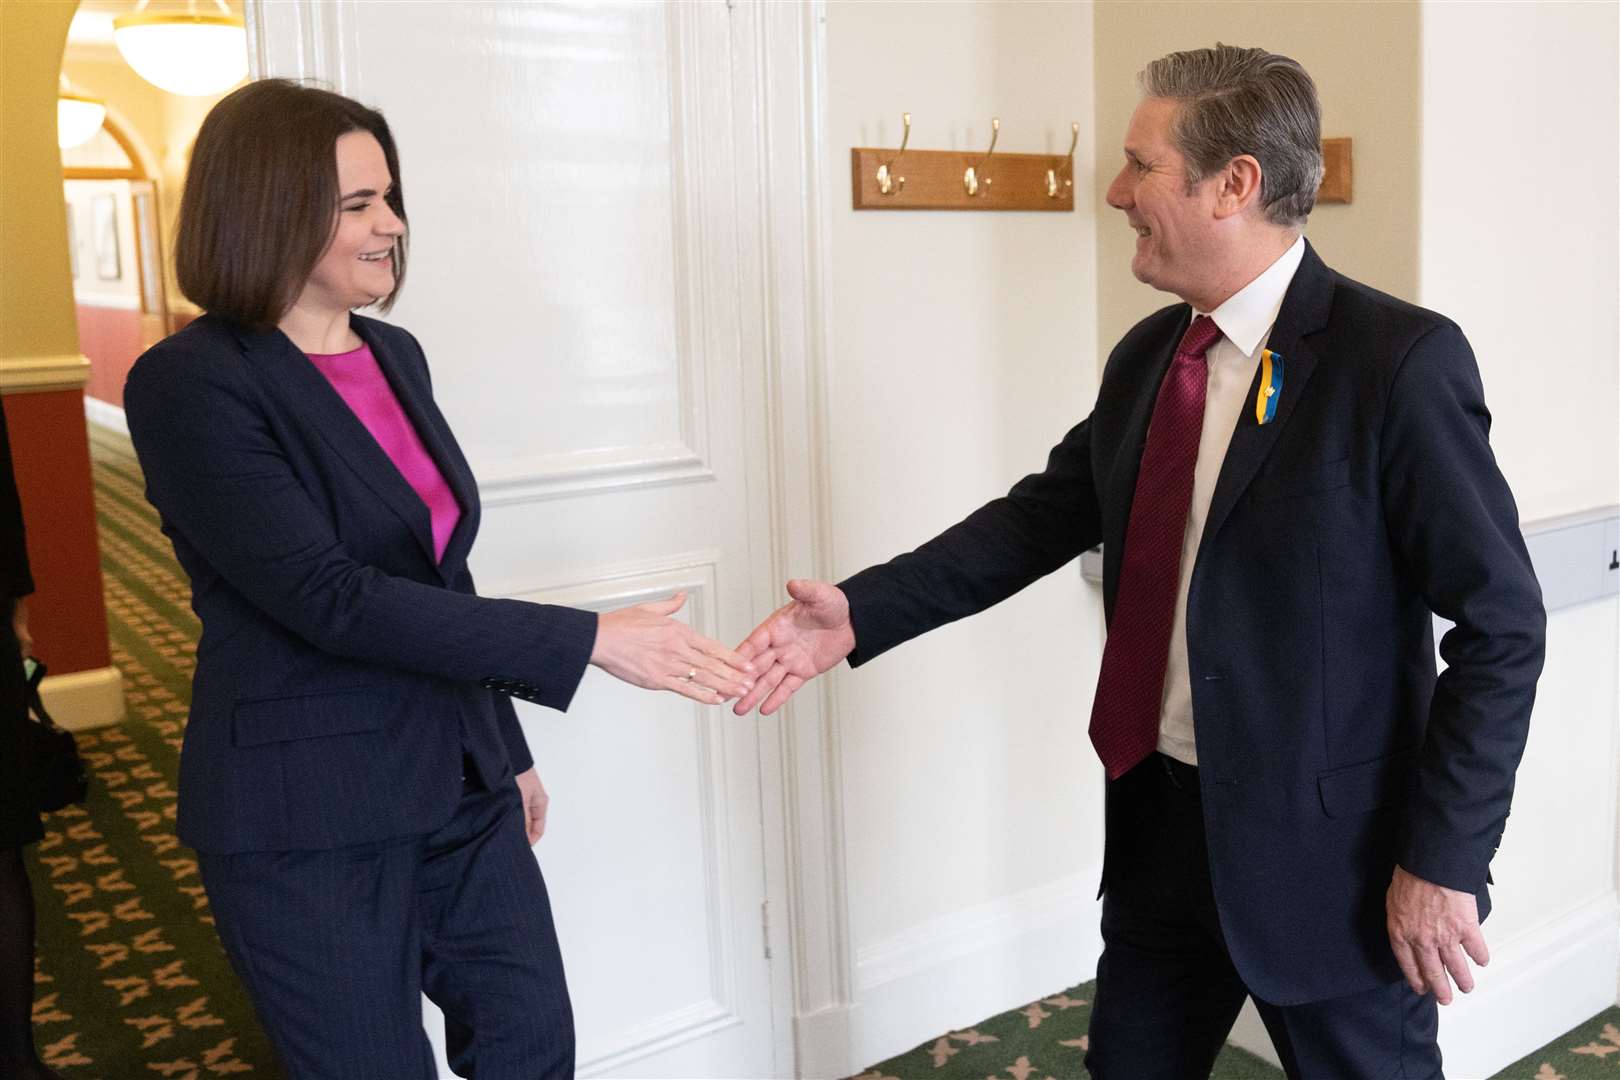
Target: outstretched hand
x=645, y=647
x=799, y=641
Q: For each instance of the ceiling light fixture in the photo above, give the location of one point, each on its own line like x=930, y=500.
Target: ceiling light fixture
x=78, y=118
x=190, y=53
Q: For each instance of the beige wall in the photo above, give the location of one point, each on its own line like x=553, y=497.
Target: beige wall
x=1364, y=58
x=36, y=299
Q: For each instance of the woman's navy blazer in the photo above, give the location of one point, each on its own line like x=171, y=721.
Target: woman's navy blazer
x=342, y=673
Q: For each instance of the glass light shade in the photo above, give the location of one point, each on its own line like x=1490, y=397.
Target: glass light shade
x=77, y=119
x=189, y=54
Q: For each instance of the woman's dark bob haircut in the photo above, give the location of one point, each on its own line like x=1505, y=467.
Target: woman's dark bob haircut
x=261, y=198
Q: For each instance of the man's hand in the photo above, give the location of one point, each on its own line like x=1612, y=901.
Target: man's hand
x=535, y=801
x=1430, y=927
x=799, y=641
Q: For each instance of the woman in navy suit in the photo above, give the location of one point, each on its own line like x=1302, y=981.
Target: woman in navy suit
x=354, y=777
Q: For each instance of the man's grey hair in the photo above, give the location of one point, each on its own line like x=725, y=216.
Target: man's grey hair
x=1245, y=101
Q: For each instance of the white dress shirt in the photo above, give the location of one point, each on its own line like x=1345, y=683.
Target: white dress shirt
x=1245, y=321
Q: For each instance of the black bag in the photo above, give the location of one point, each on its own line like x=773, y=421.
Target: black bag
x=54, y=764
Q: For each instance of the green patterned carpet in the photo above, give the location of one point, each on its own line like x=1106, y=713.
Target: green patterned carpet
x=1046, y=1040
x=132, y=983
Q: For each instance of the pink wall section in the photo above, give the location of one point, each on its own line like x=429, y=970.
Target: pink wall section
x=112, y=339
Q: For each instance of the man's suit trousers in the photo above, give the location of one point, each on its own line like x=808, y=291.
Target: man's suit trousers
x=1167, y=992
x=336, y=948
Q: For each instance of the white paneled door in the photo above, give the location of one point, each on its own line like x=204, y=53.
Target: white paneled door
x=579, y=281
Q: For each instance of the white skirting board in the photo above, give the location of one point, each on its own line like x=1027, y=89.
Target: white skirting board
x=957, y=970
x=105, y=414
x=1538, y=986
x=954, y=971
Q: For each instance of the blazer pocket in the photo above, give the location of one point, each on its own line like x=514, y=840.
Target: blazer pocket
x=1317, y=478
x=308, y=716
x=1357, y=789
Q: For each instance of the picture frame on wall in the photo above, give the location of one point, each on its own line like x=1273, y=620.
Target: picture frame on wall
x=73, y=242
x=104, y=212
x=148, y=252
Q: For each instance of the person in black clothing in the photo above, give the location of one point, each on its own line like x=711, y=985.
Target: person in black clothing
x=19, y=819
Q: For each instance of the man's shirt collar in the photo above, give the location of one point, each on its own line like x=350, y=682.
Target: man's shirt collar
x=1248, y=314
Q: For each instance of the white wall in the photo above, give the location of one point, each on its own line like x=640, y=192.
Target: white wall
x=1519, y=224
x=961, y=348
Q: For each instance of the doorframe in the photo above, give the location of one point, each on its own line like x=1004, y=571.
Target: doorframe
x=800, y=751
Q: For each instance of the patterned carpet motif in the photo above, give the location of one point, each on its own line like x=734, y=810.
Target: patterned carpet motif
x=131, y=981
x=1046, y=1040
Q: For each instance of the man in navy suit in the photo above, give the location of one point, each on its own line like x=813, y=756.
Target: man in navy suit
x=1289, y=472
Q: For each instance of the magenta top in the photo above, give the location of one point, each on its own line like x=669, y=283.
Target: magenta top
x=361, y=383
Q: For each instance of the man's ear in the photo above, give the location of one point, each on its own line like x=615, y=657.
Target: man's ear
x=1239, y=186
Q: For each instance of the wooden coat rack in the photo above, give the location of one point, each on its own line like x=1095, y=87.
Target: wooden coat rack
x=953, y=180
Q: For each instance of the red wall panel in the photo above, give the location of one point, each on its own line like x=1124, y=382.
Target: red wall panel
x=51, y=452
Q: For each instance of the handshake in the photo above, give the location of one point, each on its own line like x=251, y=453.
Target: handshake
x=644, y=646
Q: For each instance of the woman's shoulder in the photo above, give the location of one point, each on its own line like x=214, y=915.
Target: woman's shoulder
x=205, y=339
x=208, y=354
x=395, y=338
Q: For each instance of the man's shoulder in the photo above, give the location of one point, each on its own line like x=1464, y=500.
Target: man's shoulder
x=1151, y=335
x=1360, y=306
x=1151, y=330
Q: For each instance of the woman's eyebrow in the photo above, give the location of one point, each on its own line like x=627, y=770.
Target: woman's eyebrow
x=366, y=193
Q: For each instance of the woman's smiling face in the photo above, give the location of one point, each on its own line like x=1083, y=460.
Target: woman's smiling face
x=357, y=266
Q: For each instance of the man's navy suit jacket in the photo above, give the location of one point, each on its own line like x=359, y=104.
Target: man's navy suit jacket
x=342, y=672
x=1327, y=748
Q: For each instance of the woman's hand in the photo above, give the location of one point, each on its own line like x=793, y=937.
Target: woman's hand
x=535, y=801
x=643, y=646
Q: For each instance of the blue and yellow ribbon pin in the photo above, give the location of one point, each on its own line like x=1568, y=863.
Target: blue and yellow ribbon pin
x=1271, y=384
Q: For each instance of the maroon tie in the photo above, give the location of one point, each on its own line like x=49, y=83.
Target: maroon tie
x=1130, y=686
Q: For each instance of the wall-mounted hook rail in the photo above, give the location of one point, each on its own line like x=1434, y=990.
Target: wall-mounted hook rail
x=888, y=182
x=972, y=181
x=957, y=180
x=1056, y=183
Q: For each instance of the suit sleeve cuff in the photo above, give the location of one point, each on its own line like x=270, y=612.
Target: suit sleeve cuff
x=517, y=746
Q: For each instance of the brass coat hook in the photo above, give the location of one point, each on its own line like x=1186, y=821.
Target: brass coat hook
x=888, y=182
x=971, y=181
x=1052, y=188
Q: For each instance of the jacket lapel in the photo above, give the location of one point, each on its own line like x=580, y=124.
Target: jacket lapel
x=1304, y=311
x=313, y=397
x=417, y=401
